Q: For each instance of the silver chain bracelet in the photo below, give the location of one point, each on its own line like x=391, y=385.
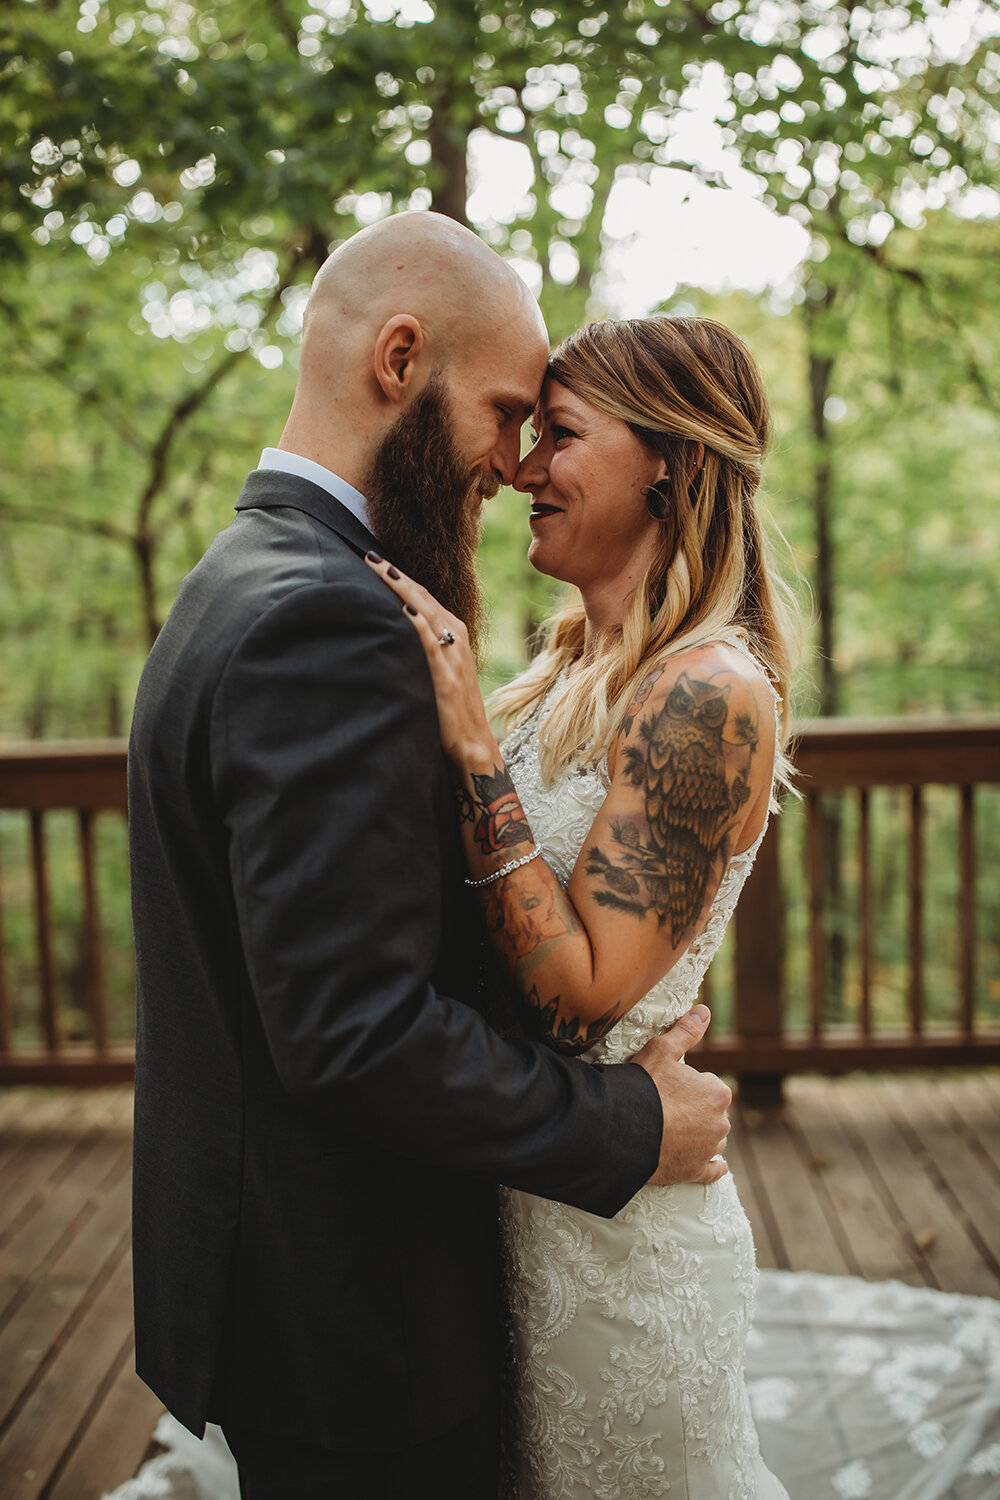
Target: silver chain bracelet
x=514, y=864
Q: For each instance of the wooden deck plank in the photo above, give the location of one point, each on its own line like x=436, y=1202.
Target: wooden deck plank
x=17, y=1107
x=872, y=1242
x=34, y=1148
x=975, y=1112
x=991, y=1082
x=789, y=1197
x=45, y=1151
x=114, y=1443
x=959, y=1172
x=56, y=1208
x=51, y=1420
x=32, y=1334
x=911, y=1198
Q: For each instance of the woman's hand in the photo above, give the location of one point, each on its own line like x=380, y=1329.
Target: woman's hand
x=466, y=736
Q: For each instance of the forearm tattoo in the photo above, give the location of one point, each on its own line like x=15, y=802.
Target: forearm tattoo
x=543, y=1022
x=496, y=809
x=693, y=767
x=524, y=913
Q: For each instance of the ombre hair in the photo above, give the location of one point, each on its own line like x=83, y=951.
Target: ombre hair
x=678, y=383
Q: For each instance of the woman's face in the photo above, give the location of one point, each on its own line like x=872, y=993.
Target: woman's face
x=586, y=473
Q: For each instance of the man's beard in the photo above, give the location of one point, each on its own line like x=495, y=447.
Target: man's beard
x=421, y=507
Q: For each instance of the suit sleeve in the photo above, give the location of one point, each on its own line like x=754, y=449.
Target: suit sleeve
x=326, y=765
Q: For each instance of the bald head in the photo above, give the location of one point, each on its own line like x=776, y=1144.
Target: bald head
x=410, y=298
x=421, y=263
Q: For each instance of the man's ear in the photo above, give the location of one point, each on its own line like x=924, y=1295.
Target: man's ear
x=399, y=342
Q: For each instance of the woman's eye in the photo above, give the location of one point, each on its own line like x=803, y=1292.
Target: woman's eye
x=560, y=433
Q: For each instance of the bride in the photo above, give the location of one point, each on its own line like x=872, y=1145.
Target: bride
x=608, y=840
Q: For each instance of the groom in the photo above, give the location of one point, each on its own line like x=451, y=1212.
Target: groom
x=322, y=1113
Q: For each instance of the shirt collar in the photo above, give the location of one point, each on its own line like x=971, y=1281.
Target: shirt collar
x=307, y=468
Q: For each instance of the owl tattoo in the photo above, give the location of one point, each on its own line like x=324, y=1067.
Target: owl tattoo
x=687, y=796
x=688, y=804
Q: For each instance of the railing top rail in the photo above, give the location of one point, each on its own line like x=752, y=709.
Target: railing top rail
x=836, y=753
x=39, y=774
x=830, y=754
x=17, y=755
x=914, y=729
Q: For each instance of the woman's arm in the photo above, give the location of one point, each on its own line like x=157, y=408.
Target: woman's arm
x=690, y=781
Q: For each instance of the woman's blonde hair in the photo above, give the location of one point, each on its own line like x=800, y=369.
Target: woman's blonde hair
x=677, y=383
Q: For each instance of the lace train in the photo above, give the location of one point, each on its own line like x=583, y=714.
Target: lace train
x=860, y=1391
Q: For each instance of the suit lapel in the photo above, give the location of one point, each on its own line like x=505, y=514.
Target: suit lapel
x=271, y=489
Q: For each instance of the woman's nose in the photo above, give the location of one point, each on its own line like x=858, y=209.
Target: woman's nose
x=530, y=471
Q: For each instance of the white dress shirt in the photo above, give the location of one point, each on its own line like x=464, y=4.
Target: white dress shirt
x=307, y=468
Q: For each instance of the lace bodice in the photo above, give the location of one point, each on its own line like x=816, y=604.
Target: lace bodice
x=561, y=816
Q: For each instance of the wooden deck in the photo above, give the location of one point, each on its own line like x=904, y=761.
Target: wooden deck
x=864, y=1175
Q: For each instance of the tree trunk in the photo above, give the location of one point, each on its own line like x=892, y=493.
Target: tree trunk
x=821, y=368
x=820, y=372
x=449, y=155
x=142, y=548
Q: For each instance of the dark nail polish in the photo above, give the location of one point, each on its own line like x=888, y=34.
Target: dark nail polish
x=409, y=609
x=390, y=572
x=373, y=557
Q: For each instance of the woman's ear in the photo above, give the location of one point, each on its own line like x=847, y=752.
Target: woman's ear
x=397, y=346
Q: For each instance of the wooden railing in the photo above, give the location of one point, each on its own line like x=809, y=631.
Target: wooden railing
x=839, y=761
x=776, y=1023
x=41, y=780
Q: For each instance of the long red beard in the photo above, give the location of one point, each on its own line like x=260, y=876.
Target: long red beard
x=423, y=510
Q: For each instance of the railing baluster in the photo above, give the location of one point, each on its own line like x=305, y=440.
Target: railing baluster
x=97, y=1007
x=817, y=943
x=758, y=998
x=967, y=911
x=6, y=1033
x=48, y=1019
x=865, y=913
x=916, y=901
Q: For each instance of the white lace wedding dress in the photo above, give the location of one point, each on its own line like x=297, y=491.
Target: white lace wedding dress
x=628, y=1335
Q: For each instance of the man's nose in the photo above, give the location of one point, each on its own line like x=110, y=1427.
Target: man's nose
x=506, y=455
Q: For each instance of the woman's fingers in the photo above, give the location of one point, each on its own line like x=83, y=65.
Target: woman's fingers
x=419, y=603
x=461, y=716
x=410, y=592
x=429, y=636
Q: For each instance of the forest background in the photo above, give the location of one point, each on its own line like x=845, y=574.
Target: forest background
x=173, y=174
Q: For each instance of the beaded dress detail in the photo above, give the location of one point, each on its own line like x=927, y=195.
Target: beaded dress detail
x=628, y=1334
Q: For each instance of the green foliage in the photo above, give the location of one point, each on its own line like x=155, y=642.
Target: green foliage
x=171, y=175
